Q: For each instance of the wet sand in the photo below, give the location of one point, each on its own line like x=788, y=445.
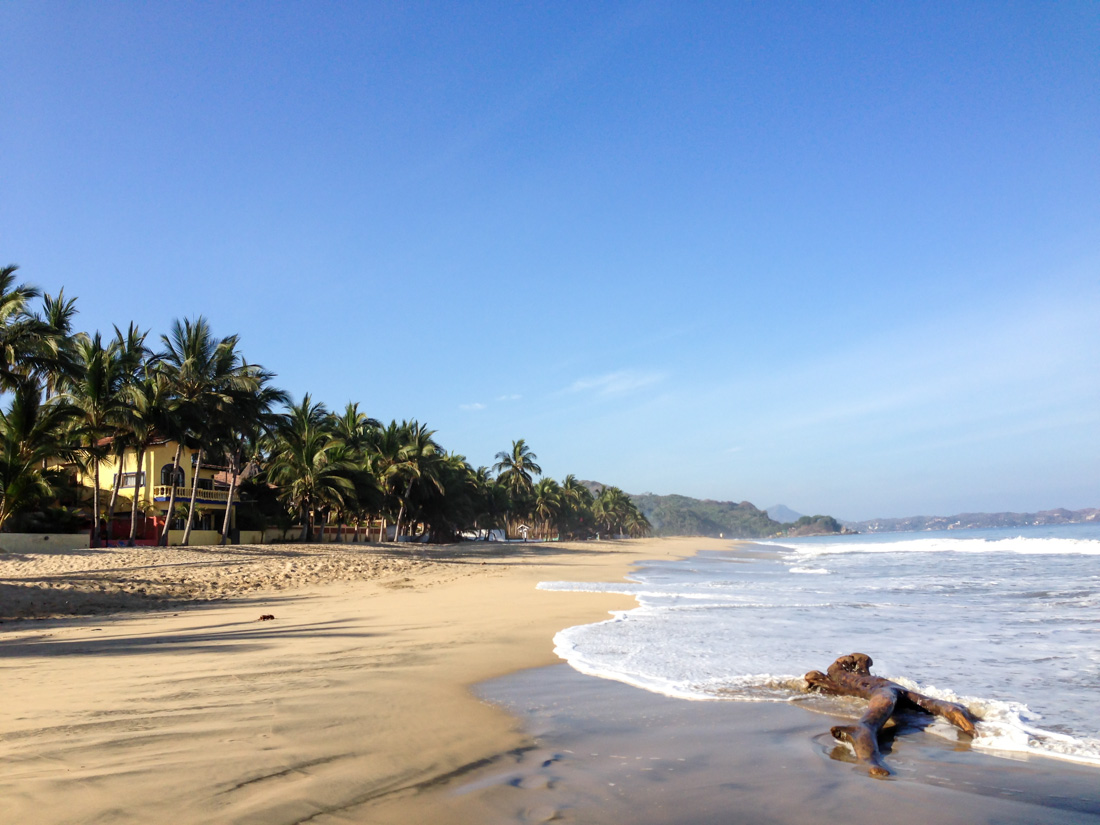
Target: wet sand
x=356, y=704
x=605, y=752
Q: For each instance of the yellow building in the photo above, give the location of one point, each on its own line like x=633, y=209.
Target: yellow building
x=153, y=484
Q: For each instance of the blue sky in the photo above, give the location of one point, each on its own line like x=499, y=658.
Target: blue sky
x=840, y=256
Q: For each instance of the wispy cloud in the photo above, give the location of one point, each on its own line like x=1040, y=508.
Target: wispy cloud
x=477, y=405
x=513, y=397
x=616, y=383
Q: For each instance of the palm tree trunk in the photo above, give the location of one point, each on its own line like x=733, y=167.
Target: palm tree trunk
x=235, y=463
x=401, y=512
x=194, y=495
x=171, y=496
x=137, y=493
x=381, y=529
x=94, y=539
x=114, y=491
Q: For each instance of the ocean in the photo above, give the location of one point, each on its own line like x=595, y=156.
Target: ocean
x=1004, y=621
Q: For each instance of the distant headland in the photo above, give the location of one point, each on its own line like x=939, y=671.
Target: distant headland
x=676, y=515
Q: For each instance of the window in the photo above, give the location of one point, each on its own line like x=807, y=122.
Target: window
x=166, y=476
x=133, y=479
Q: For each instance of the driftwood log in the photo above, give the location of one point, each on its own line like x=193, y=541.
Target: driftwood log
x=851, y=676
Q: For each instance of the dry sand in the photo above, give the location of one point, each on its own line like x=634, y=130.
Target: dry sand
x=354, y=704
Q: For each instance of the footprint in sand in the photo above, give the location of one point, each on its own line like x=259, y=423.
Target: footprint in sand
x=533, y=782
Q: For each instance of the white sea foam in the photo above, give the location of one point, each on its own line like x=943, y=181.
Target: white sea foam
x=1010, y=629
x=951, y=544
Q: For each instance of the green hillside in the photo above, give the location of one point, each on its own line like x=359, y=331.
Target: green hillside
x=682, y=516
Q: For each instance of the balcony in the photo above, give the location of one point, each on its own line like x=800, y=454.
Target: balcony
x=162, y=492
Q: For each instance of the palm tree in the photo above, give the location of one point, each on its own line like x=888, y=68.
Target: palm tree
x=618, y=513
x=96, y=393
x=418, y=460
x=33, y=433
x=637, y=525
x=514, y=470
x=451, y=507
x=206, y=373
x=366, y=497
x=610, y=509
x=385, y=445
x=250, y=417
x=306, y=463
x=547, y=503
x=132, y=354
x=492, y=502
x=358, y=433
x=355, y=429
x=152, y=416
x=57, y=316
x=577, y=502
x=23, y=337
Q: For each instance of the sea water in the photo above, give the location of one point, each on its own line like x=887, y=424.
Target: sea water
x=1005, y=621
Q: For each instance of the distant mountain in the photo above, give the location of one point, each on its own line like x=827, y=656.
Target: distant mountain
x=966, y=521
x=676, y=515
x=782, y=513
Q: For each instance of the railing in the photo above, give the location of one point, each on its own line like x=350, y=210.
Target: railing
x=163, y=492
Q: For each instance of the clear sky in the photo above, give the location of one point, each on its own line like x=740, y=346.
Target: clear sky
x=840, y=256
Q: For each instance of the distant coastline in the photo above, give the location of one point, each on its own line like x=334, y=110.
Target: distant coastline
x=676, y=515
x=974, y=521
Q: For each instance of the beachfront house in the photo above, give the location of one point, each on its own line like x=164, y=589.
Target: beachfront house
x=152, y=483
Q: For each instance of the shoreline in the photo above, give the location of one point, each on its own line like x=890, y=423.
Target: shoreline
x=428, y=692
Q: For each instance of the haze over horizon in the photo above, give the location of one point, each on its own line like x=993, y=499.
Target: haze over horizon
x=846, y=258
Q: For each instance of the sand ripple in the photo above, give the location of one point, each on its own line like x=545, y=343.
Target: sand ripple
x=83, y=582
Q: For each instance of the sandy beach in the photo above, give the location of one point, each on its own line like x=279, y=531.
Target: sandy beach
x=410, y=684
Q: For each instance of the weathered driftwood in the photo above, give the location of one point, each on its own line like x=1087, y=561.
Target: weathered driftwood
x=851, y=676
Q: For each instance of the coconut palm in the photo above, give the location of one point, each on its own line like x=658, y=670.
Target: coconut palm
x=132, y=355
x=306, y=463
x=244, y=422
x=57, y=316
x=636, y=524
x=576, y=516
x=385, y=449
x=450, y=507
x=24, y=338
x=366, y=498
x=152, y=416
x=355, y=429
x=33, y=434
x=611, y=509
x=515, y=470
x=206, y=373
x=95, y=391
x=492, y=501
x=418, y=463
x=547, y=503
x=357, y=432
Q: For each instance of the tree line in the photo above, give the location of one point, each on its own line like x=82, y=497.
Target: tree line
x=77, y=399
